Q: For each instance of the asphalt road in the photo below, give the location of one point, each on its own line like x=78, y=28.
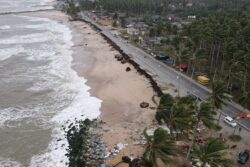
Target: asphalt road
x=166, y=74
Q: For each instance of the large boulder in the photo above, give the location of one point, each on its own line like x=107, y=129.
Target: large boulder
x=144, y=104
x=128, y=69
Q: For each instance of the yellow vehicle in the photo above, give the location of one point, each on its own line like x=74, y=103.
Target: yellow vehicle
x=203, y=80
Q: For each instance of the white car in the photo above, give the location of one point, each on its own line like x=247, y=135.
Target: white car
x=230, y=121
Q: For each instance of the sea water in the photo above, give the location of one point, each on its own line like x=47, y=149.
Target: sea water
x=39, y=92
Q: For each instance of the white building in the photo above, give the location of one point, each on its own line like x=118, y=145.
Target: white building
x=192, y=17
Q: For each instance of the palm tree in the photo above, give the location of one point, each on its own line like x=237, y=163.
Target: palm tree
x=198, y=57
x=178, y=117
x=160, y=146
x=201, y=57
x=220, y=95
x=205, y=114
x=245, y=99
x=166, y=102
x=213, y=153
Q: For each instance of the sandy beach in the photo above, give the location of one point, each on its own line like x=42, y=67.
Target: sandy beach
x=121, y=91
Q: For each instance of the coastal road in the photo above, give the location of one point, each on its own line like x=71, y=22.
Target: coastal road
x=166, y=74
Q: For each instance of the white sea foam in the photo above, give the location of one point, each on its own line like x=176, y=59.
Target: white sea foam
x=37, y=19
x=82, y=106
x=24, y=5
x=4, y=27
x=27, y=39
x=36, y=26
x=71, y=100
x=9, y=163
x=8, y=52
x=36, y=55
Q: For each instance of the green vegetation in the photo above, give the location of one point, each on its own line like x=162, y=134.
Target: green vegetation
x=224, y=41
x=159, y=146
x=220, y=96
x=204, y=114
x=245, y=99
x=130, y=6
x=182, y=114
x=178, y=114
x=181, y=7
x=213, y=153
x=72, y=9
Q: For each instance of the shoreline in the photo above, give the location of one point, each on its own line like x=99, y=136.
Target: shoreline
x=121, y=92
x=107, y=79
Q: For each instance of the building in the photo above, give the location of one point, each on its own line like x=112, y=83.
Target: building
x=192, y=17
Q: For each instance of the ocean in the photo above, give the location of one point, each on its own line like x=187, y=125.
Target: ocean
x=39, y=91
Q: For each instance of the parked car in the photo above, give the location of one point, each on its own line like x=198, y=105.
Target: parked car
x=161, y=56
x=243, y=157
x=169, y=61
x=230, y=121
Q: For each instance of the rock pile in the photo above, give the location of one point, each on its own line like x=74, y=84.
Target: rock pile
x=120, y=58
x=96, y=150
x=85, y=145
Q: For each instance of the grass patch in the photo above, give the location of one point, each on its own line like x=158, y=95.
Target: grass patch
x=235, y=138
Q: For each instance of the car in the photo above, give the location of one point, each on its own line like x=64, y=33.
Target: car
x=230, y=121
x=243, y=157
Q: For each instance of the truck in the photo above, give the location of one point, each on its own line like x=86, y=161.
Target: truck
x=203, y=80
